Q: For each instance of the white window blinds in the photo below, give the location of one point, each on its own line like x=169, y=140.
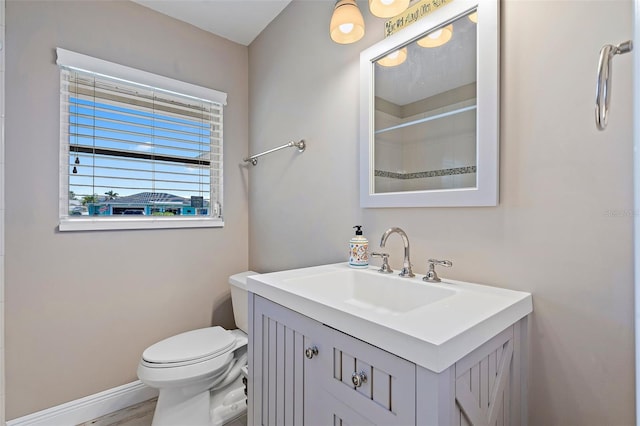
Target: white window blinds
x=132, y=150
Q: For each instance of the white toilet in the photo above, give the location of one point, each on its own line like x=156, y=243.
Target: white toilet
x=199, y=373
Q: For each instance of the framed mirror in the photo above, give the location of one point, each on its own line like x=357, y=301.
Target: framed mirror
x=429, y=111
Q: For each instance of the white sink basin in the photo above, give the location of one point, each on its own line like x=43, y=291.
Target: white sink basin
x=431, y=324
x=384, y=294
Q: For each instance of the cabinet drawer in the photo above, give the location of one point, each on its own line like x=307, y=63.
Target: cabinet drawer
x=386, y=394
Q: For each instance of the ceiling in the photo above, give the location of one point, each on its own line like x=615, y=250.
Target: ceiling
x=237, y=20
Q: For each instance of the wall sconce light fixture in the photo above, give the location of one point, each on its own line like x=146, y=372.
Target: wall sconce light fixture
x=387, y=8
x=394, y=58
x=437, y=38
x=347, y=24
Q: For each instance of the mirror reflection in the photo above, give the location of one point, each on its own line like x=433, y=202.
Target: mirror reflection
x=425, y=111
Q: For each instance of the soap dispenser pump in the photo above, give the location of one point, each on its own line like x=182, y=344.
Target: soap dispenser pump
x=359, y=250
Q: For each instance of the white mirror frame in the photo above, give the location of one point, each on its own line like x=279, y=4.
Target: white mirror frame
x=487, y=115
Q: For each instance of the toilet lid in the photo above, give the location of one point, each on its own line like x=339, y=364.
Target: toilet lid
x=190, y=346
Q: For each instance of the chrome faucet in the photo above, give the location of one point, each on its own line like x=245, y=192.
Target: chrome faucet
x=406, y=264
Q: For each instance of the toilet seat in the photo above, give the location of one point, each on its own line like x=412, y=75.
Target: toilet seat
x=191, y=347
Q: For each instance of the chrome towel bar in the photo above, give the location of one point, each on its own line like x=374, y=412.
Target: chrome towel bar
x=603, y=84
x=254, y=158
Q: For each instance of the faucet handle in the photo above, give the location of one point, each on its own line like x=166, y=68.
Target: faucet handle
x=431, y=276
x=385, y=268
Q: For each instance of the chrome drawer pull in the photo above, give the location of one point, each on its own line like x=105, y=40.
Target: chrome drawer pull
x=311, y=351
x=358, y=379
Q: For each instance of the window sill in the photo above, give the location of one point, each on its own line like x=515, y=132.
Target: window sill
x=108, y=224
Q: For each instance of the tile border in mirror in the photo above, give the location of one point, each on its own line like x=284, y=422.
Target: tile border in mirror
x=426, y=174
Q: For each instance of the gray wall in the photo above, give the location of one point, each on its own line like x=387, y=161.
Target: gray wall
x=563, y=229
x=81, y=307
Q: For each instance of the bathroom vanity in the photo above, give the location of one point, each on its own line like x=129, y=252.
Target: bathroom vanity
x=332, y=345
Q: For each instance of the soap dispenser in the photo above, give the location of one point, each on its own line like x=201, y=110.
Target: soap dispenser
x=359, y=250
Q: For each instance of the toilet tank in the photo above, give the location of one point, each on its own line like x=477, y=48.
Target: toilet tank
x=240, y=300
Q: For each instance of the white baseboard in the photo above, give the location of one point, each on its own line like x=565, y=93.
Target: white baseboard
x=90, y=407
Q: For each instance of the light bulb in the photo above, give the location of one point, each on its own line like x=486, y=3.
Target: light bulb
x=345, y=28
x=435, y=35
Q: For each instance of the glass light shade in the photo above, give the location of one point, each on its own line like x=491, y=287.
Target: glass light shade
x=437, y=38
x=387, y=8
x=473, y=17
x=347, y=24
x=394, y=58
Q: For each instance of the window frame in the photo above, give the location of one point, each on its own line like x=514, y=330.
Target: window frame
x=76, y=61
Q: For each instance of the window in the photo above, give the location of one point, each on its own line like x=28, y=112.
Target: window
x=138, y=150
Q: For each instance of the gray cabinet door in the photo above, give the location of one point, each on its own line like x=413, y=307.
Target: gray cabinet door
x=487, y=382
x=278, y=365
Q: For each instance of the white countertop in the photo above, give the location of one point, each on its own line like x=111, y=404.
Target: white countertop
x=434, y=335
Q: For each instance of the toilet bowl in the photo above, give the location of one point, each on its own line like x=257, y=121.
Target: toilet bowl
x=199, y=373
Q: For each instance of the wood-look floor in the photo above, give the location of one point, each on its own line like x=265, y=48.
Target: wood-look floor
x=136, y=415
x=139, y=415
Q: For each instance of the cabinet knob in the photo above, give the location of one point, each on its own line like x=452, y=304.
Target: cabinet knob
x=358, y=379
x=311, y=351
